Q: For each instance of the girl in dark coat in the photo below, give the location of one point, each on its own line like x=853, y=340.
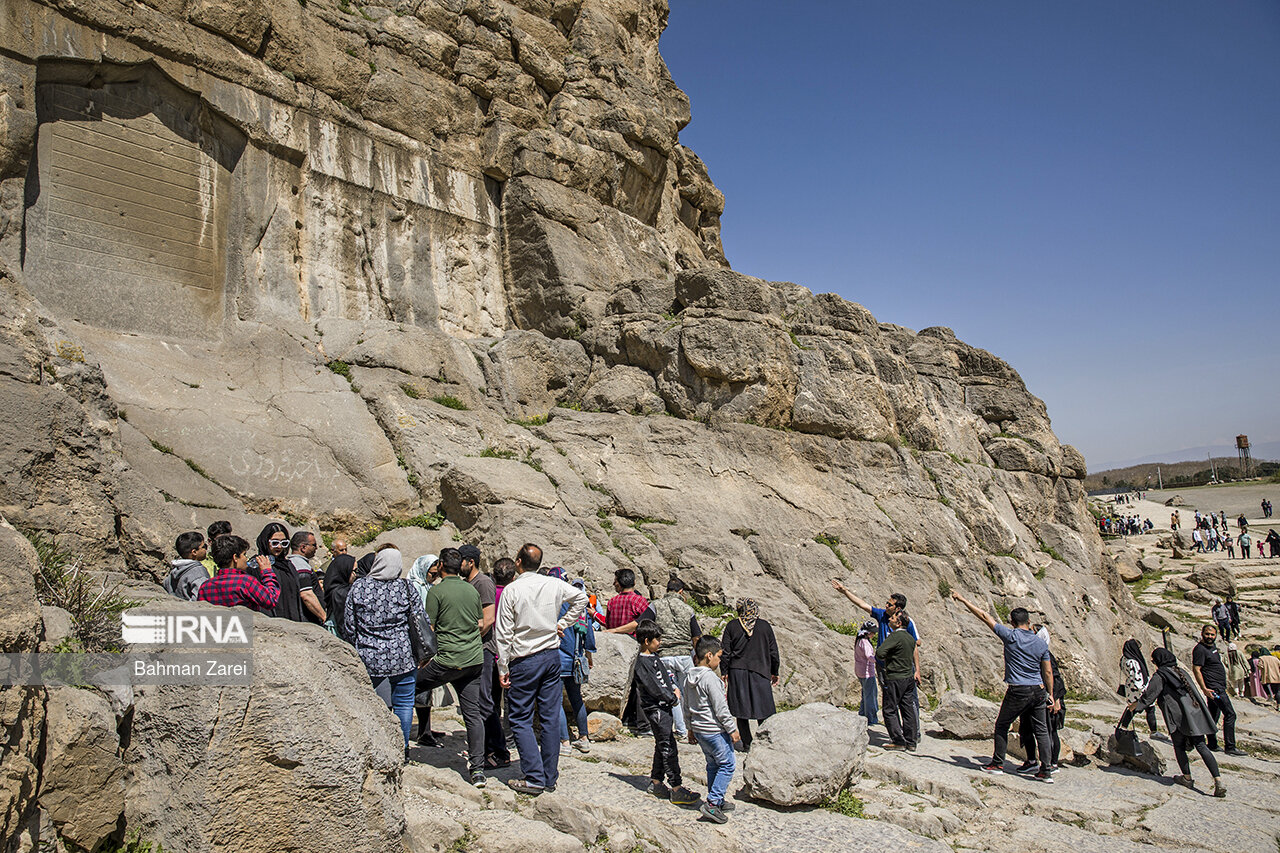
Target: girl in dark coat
x=750, y=664
x=1185, y=713
x=273, y=543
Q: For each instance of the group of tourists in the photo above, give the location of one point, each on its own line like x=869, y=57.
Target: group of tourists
x=1123, y=525
x=521, y=638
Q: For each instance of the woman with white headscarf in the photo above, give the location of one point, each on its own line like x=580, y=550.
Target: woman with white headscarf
x=376, y=621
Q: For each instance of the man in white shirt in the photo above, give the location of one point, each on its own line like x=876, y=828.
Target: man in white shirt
x=528, y=634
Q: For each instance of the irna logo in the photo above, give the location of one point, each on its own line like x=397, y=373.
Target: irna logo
x=183, y=629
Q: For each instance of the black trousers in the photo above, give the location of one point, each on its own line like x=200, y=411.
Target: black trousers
x=666, y=761
x=1180, y=744
x=1019, y=700
x=901, y=712
x=466, y=683
x=1026, y=733
x=1127, y=717
x=1220, y=706
x=495, y=741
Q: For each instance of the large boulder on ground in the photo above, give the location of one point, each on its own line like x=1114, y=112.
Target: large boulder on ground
x=1215, y=578
x=82, y=780
x=602, y=726
x=1127, y=567
x=612, y=665
x=307, y=748
x=805, y=756
x=966, y=717
x=1148, y=760
x=1149, y=564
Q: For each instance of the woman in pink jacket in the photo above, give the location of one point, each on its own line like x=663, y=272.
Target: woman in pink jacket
x=864, y=666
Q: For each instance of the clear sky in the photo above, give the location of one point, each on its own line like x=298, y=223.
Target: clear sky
x=1090, y=190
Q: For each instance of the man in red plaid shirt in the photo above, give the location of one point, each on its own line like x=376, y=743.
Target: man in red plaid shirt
x=233, y=584
x=623, y=613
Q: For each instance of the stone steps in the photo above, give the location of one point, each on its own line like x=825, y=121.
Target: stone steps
x=1258, y=582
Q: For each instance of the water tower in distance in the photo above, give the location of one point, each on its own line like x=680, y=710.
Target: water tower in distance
x=1242, y=450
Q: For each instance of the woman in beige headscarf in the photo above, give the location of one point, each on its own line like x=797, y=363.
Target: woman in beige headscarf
x=750, y=664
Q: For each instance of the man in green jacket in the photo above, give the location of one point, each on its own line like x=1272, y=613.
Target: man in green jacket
x=895, y=657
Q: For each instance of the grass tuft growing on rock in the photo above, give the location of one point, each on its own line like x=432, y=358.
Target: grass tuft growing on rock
x=833, y=543
x=849, y=629
x=411, y=391
x=944, y=588
x=450, y=402
x=341, y=368
x=492, y=452
x=133, y=844
x=434, y=521
x=1051, y=552
x=845, y=803
x=95, y=607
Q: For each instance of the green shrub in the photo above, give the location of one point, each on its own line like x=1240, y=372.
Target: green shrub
x=411, y=391
x=944, y=588
x=95, y=608
x=849, y=629
x=450, y=402
x=845, y=803
x=492, y=452
x=434, y=521
x=341, y=368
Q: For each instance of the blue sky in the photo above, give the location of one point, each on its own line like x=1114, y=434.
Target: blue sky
x=1090, y=190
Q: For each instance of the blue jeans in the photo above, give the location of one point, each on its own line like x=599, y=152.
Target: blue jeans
x=679, y=667
x=870, y=701
x=536, y=688
x=574, y=691
x=398, y=691
x=718, y=749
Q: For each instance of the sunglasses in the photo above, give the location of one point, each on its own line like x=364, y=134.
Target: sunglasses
x=277, y=542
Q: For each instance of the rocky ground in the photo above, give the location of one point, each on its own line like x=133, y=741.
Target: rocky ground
x=927, y=801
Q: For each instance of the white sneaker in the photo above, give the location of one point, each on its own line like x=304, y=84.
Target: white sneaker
x=582, y=745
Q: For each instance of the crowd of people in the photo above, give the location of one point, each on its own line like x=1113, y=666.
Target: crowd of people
x=521, y=639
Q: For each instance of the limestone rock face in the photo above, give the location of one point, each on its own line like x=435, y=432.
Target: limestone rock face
x=805, y=756
x=966, y=717
x=208, y=767
x=1216, y=578
x=82, y=783
x=22, y=710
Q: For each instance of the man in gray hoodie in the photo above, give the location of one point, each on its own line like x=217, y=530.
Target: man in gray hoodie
x=187, y=572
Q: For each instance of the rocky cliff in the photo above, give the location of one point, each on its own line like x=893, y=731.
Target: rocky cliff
x=354, y=265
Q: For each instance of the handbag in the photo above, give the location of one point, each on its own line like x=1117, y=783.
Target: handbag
x=1127, y=742
x=581, y=669
x=422, y=637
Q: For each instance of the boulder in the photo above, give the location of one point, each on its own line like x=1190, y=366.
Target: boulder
x=1215, y=578
x=1158, y=619
x=1127, y=567
x=208, y=766
x=602, y=726
x=625, y=389
x=613, y=663
x=1149, y=564
x=805, y=756
x=966, y=717
x=82, y=780
x=1176, y=500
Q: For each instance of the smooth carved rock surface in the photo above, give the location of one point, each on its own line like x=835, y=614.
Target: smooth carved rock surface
x=805, y=756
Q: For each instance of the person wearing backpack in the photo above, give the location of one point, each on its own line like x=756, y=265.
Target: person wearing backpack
x=1185, y=713
x=576, y=648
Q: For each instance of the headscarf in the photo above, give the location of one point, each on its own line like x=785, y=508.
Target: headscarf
x=748, y=612
x=420, y=568
x=1133, y=651
x=364, y=565
x=1043, y=634
x=866, y=629
x=337, y=585
x=264, y=539
x=558, y=573
x=387, y=565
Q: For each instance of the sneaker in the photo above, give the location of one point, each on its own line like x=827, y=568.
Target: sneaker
x=713, y=813
x=429, y=739
x=659, y=790
x=1219, y=789
x=1184, y=781
x=477, y=779
x=1044, y=776
x=1027, y=767
x=582, y=745
x=495, y=763
x=993, y=768
x=520, y=786
x=1237, y=752
x=727, y=806
x=682, y=796
x=895, y=746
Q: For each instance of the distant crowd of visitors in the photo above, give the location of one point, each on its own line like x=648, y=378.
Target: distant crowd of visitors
x=522, y=638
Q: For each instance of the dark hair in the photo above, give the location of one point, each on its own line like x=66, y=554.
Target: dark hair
x=504, y=571
x=675, y=585
x=450, y=561
x=188, y=542
x=226, y=548
x=903, y=618
x=384, y=547
x=218, y=528
x=625, y=578
x=528, y=562
x=1019, y=616
x=899, y=600
x=299, y=539
x=707, y=645
x=648, y=630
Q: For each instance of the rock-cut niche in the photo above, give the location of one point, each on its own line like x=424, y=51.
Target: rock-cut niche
x=125, y=209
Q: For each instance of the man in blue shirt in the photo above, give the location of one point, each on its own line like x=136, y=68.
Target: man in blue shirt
x=1026, y=670
x=897, y=601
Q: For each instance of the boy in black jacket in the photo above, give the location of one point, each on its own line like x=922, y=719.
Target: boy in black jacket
x=658, y=695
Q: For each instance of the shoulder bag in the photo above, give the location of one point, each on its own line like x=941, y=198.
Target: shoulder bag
x=422, y=637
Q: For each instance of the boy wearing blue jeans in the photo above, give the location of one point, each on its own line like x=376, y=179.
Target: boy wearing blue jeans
x=711, y=726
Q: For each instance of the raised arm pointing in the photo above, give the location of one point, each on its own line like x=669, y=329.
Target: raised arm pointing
x=986, y=617
x=858, y=602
